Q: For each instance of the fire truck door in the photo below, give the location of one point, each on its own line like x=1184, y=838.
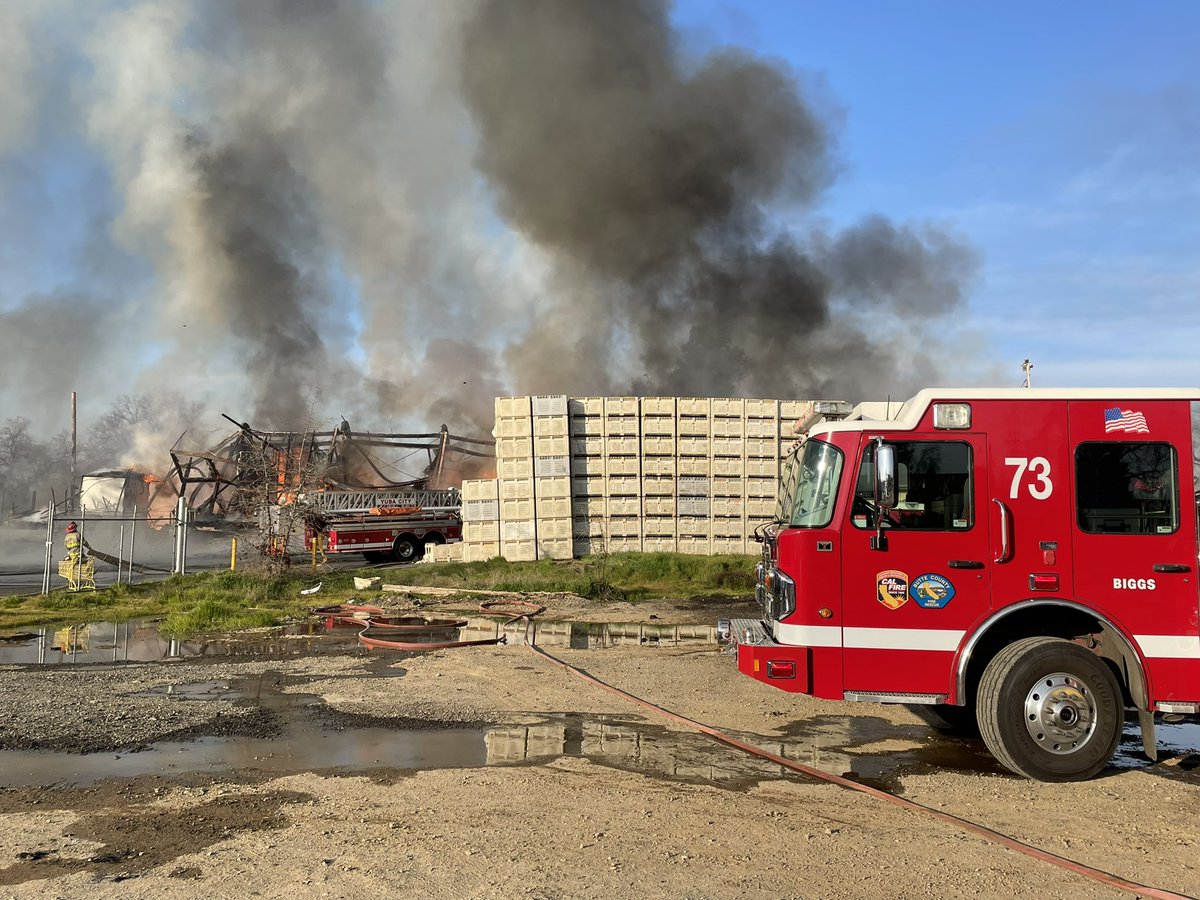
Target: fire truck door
x=1135, y=540
x=907, y=607
x=1029, y=505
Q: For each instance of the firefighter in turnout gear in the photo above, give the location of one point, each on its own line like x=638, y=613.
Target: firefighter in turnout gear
x=76, y=545
x=78, y=568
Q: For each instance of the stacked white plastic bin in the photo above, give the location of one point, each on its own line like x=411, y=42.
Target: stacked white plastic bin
x=623, y=475
x=659, y=431
x=763, y=450
x=693, y=500
x=728, y=466
x=481, y=519
x=552, y=478
x=583, y=475
x=589, y=506
x=514, y=472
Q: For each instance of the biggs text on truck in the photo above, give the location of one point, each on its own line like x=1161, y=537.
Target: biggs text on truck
x=1024, y=559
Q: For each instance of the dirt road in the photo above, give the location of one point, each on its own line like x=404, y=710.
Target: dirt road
x=489, y=772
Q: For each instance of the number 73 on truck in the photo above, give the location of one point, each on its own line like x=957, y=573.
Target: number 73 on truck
x=1022, y=561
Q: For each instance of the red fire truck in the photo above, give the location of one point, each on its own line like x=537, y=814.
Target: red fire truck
x=382, y=525
x=1021, y=560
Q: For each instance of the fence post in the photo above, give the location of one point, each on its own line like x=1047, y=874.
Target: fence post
x=49, y=548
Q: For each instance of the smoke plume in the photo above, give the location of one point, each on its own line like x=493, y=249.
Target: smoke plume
x=397, y=211
x=651, y=180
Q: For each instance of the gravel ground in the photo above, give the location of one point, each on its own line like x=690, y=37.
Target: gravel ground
x=600, y=799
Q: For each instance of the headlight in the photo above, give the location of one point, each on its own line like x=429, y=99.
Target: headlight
x=785, y=595
x=780, y=593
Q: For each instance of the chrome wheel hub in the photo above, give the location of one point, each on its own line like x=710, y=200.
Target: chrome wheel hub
x=1060, y=714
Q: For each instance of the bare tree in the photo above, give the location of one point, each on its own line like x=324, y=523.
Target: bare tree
x=28, y=464
x=137, y=429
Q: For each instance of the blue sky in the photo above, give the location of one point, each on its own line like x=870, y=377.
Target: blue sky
x=1062, y=140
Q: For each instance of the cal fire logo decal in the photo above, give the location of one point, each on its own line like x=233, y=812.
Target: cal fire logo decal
x=931, y=591
x=891, y=588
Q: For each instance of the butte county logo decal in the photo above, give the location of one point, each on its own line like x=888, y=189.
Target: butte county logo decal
x=932, y=591
x=891, y=588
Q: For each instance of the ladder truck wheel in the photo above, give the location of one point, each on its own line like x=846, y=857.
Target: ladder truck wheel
x=407, y=548
x=1050, y=710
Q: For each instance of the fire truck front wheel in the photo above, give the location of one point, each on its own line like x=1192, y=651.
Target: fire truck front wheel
x=406, y=548
x=1050, y=710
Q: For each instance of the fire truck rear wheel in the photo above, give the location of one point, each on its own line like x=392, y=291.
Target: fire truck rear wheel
x=407, y=548
x=1050, y=710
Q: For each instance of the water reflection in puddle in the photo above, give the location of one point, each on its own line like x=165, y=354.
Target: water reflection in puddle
x=1178, y=746
x=141, y=641
x=307, y=743
x=624, y=744
x=869, y=749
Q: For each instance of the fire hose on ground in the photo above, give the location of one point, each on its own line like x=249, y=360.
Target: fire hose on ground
x=377, y=618
x=526, y=610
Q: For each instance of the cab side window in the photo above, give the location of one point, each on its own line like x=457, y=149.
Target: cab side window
x=934, y=488
x=1126, y=487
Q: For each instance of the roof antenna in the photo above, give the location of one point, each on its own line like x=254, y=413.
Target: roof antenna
x=1027, y=367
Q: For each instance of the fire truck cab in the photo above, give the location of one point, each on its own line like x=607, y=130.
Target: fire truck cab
x=1024, y=560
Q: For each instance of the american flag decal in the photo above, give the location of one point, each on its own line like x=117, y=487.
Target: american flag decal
x=1117, y=419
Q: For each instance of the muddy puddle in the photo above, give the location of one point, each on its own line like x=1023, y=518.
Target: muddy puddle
x=1178, y=747
x=313, y=738
x=869, y=749
x=141, y=641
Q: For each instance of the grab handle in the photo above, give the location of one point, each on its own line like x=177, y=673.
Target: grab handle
x=1005, y=532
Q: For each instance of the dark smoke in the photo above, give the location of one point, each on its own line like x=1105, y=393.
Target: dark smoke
x=263, y=233
x=398, y=211
x=655, y=181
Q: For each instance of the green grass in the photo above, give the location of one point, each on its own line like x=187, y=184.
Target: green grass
x=627, y=576
x=225, y=601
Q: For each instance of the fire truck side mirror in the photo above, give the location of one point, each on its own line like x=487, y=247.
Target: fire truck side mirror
x=885, y=476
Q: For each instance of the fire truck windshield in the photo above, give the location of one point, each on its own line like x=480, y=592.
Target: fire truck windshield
x=818, y=469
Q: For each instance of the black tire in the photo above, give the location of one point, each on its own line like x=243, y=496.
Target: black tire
x=1050, y=710
x=958, y=720
x=407, y=548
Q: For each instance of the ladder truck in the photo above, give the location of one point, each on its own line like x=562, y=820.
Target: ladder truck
x=1023, y=561
x=384, y=526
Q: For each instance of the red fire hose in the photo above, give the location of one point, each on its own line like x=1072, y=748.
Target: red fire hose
x=344, y=612
x=377, y=618
x=964, y=824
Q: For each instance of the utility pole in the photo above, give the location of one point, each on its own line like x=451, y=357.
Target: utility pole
x=1027, y=367
x=74, y=456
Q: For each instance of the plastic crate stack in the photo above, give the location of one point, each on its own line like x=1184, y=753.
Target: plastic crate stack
x=764, y=447
x=551, y=478
x=623, y=475
x=481, y=520
x=659, y=488
x=514, y=475
x=589, y=474
x=578, y=476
